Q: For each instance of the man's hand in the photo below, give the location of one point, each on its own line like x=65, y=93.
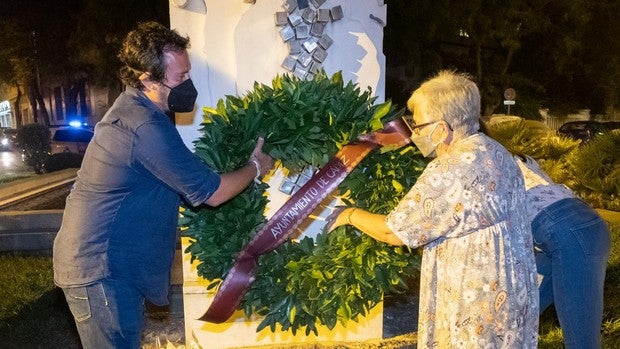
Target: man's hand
x=263, y=161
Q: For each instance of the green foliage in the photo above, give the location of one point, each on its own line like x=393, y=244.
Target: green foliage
x=33, y=311
x=10, y=177
x=591, y=170
x=532, y=138
x=598, y=163
x=301, y=284
x=302, y=121
x=34, y=140
x=596, y=169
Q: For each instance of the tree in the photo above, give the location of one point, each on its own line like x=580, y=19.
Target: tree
x=541, y=48
x=38, y=55
x=96, y=49
x=8, y=72
x=480, y=37
x=20, y=67
x=602, y=58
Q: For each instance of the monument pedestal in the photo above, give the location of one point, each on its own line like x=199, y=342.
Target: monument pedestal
x=240, y=331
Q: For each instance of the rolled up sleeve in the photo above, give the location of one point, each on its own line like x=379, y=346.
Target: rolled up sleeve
x=160, y=150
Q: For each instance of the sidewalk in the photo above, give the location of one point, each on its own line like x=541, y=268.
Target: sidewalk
x=12, y=191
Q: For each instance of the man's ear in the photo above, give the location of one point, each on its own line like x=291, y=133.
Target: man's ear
x=145, y=79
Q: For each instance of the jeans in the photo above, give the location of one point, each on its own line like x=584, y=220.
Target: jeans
x=575, y=245
x=108, y=314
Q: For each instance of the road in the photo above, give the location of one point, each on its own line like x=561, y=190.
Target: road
x=11, y=163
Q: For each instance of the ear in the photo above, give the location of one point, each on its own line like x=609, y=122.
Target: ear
x=445, y=136
x=145, y=79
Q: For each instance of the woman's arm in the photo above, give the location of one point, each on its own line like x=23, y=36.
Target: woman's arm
x=371, y=224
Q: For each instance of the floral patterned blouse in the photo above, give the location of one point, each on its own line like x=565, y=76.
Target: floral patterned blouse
x=541, y=191
x=478, y=277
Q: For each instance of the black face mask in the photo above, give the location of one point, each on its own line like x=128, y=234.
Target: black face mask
x=182, y=97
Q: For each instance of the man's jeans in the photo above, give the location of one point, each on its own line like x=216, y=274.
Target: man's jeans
x=575, y=245
x=108, y=314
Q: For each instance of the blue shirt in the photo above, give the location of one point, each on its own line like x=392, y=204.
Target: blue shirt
x=121, y=216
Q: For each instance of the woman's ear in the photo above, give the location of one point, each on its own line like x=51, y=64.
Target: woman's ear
x=442, y=134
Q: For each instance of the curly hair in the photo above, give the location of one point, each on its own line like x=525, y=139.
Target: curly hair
x=143, y=51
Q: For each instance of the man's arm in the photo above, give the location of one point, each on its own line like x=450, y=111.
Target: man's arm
x=233, y=183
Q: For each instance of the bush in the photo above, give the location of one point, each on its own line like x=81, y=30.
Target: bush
x=592, y=171
x=34, y=141
x=61, y=161
x=596, y=170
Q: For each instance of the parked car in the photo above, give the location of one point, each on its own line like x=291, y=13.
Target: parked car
x=7, y=138
x=69, y=139
x=584, y=130
x=614, y=125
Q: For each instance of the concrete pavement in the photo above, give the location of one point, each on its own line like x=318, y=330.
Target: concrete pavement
x=30, y=231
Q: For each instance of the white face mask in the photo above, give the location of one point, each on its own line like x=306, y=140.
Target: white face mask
x=425, y=144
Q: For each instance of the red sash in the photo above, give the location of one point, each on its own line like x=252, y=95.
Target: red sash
x=283, y=223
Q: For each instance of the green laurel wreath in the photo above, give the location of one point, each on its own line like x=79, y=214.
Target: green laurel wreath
x=340, y=275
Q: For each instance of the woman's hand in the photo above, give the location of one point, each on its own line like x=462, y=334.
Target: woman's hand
x=340, y=216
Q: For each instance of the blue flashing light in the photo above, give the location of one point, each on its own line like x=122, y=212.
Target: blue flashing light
x=75, y=123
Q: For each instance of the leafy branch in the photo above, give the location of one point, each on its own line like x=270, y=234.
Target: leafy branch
x=341, y=275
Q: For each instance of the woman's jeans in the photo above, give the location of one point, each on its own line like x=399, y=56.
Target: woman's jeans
x=108, y=314
x=575, y=244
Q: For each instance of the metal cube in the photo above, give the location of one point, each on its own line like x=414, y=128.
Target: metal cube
x=336, y=13
x=287, y=187
x=294, y=46
x=315, y=67
x=309, y=15
x=287, y=33
x=317, y=28
x=317, y=3
x=302, y=31
x=289, y=63
x=311, y=44
x=319, y=54
x=281, y=18
x=290, y=5
x=302, y=4
x=300, y=72
x=325, y=41
x=305, y=58
x=323, y=15
x=295, y=18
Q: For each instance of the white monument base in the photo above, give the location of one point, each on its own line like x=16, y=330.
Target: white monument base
x=240, y=331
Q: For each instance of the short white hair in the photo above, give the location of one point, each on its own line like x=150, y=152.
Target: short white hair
x=452, y=97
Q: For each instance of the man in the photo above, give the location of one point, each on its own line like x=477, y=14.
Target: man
x=117, y=240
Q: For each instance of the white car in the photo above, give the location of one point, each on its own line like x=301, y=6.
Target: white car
x=70, y=140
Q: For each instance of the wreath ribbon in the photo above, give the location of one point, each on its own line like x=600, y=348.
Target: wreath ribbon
x=283, y=223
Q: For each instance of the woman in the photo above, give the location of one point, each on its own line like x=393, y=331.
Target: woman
x=573, y=243
x=478, y=277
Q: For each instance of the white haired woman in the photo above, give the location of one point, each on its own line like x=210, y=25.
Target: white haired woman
x=467, y=209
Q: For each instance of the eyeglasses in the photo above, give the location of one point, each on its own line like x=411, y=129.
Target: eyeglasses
x=415, y=129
